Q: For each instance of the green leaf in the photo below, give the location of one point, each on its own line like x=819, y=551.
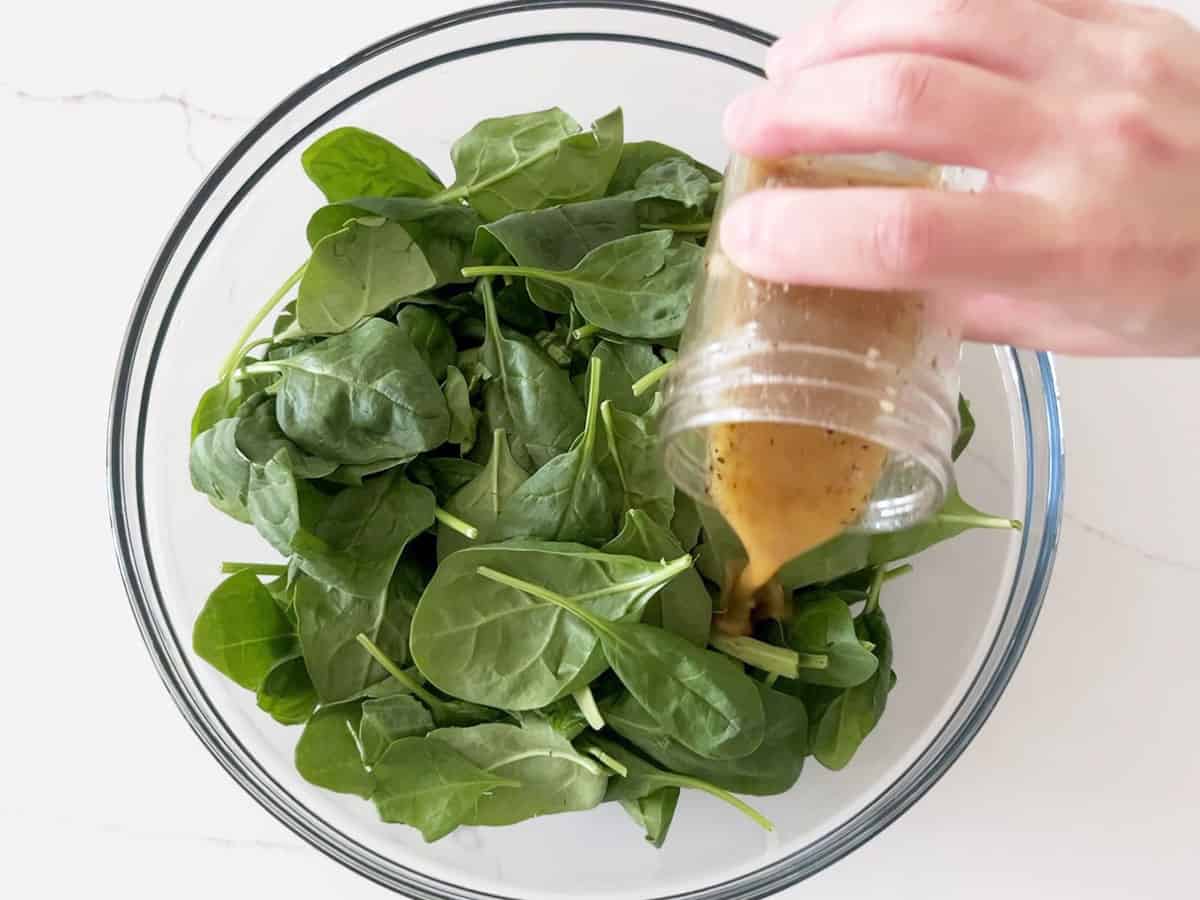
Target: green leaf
x=771, y=769
x=966, y=427
x=221, y=401
x=492, y=644
x=686, y=521
x=654, y=813
x=428, y=784
x=361, y=397
x=389, y=719
x=241, y=632
x=638, y=156
x=674, y=179
x=623, y=365
x=851, y=552
x=634, y=444
x=463, y=419
x=537, y=159
x=555, y=238
x=683, y=606
x=353, y=474
x=853, y=714
x=350, y=162
x=259, y=439
x=327, y=753
x=823, y=624
x=287, y=693
x=528, y=396
x=444, y=475
x=569, y=498
x=357, y=272
x=219, y=470
x=553, y=777
x=481, y=501
x=430, y=336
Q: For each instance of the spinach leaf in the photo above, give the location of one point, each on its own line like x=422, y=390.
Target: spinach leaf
x=633, y=443
x=241, y=632
x=528, y=395
x=683, y=606
x=654, y=813
x=553, y=777
x=428, y=784
x=287, y=693
x=638, y=286
x=674, y=179
x=350, y=162
x=444, y=475
x=698, y=697
x=219, y=470
x=686, y=521
x=966, y=427
x=638, y=156
x=463, y=419
x=357, y=272
x=852, y=715
x=389, y=719
x=481, y=501
x=430, y=336
x=537, y=159
x=622, y=365
x=222, y=401
x=361, y=397
x=259, y=439
x=823, y=625
x=353, y=474
x=555, y=238
x=851, y=552
x=327, y=753
x=569, y=498
x=492, y=644
x=771, y=769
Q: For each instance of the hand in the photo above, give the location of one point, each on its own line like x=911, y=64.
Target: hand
x=1085, y=114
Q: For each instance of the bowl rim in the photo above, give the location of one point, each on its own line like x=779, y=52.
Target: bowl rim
x=220, y=739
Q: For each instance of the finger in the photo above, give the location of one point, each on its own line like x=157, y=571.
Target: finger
x=895, y=239
x=1016, y=37
x=1104, y=11
x=1037, y=325
x=920, y=106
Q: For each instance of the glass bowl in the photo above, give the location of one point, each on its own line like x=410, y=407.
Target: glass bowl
x=961, y=622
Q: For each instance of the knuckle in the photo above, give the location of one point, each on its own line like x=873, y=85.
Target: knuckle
x=1128, y=127
x=905, y=238
x=1149, y=62
x=903, y=85
x=951, y=7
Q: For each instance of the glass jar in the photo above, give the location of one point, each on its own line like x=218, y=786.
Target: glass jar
x=870, y=377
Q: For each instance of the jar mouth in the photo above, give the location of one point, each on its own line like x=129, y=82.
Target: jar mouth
x=904, y=409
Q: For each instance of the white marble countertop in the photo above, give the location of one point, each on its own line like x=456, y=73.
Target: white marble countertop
x=1084, y=783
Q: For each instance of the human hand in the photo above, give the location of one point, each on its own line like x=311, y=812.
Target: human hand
x=1085, y=114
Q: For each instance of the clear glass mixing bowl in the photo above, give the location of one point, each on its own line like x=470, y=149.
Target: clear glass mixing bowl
x=961, y=622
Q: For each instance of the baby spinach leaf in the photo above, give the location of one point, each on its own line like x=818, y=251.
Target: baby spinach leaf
x=966, y=427
x=353, y=474
x=852, y=715
x=357, y=272
x=683, y=606
x=528, y=395
x=259, y=438
x=428, y=784
x=430, y=336
x=633, y=443
x=685, y=523
x=771, y=769
x=537, y=159
x=569, y=498
x=557, y=239
x=674, y=179
x=328, y=755
x=241, y=632
x=219, y=470
x=638, y=286
x=481, y=501
x=851, y=552
x=823, y=625
x=350, y=162
x=287, y=693
x=273, y=502
x=389, y=719
x=553, y=777
x=621, y=366
x=638, y=156
x=463, y=419
x=654, y=813
x=221, y=401
x=361, y=397
x=492, y=644
x=444, y=475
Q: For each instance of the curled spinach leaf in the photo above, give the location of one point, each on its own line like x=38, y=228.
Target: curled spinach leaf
x=328, y=754
x=287, y=693
x=241, y=632
x=350, y=162
x=219, y=469
x=430, y=336
x=633, y=443
x=388, y=719
x=823, y=625
x=638, y=156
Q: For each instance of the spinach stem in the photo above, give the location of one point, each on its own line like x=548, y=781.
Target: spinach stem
x=411, y=684
x=590, y=425
x=258, y=368
x=661, y=576
x=770, y=680
x=454, y=523
x=235, y=356
x=540, y=593
x=230, y=568
x=896, y=572
x=586, y=702
x=711, y=789
x=874, y=591
x=980, y=521
x=680, y=227
x=618, y=767
x=780, y=661
x=651, y=378
x=585, y=331
x=578, y=759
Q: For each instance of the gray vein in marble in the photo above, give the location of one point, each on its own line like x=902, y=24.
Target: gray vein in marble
x=1117, y=541
x=187, y=108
